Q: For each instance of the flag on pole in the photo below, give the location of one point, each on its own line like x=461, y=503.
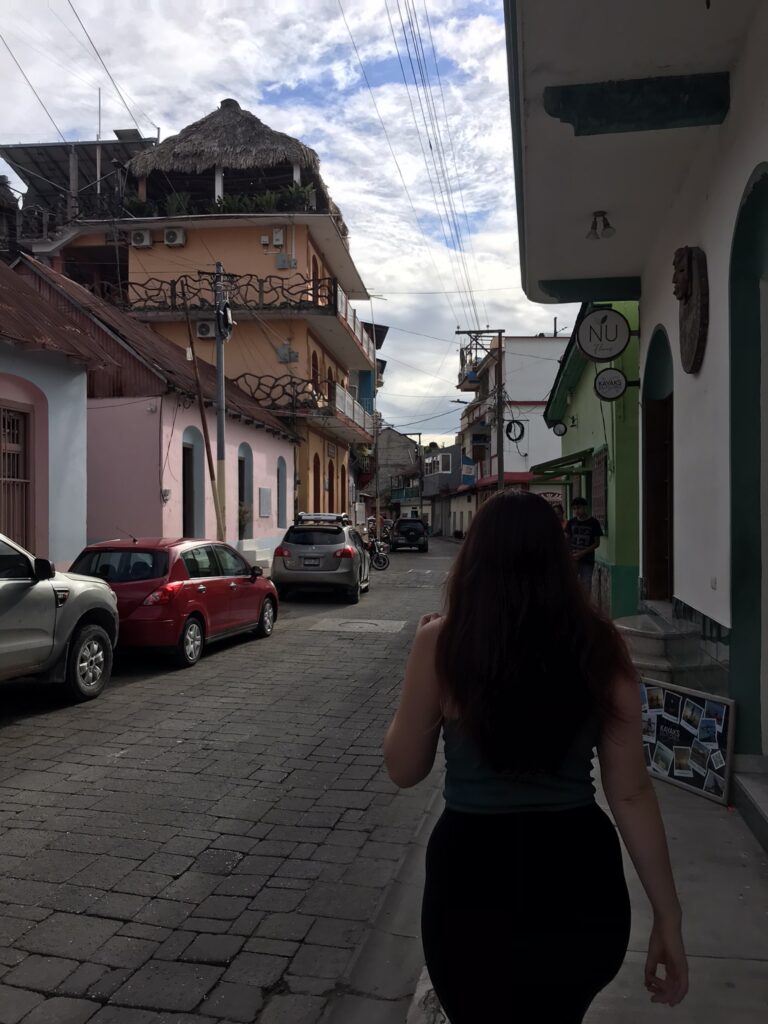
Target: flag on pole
x=467, y=471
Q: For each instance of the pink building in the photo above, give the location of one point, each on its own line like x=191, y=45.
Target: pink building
x=147, y=467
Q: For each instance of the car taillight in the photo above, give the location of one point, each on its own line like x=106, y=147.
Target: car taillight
x=281, y=552
x=164, y=594
x=346, y=552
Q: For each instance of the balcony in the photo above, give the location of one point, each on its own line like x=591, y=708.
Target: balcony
x=404, y=493
x=320, y=301
x=336, y=412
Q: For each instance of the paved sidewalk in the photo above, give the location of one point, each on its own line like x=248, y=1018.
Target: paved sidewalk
x=212, y=845
x=722, y=875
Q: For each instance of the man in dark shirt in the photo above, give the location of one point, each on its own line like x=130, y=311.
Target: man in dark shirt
x=583, y=533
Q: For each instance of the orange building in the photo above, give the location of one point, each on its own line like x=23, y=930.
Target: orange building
x=144, y=224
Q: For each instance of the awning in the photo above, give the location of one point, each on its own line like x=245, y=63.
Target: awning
x=576, y=462
x=509, y=478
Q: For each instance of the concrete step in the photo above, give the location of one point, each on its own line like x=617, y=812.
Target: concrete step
x=749, y=793
x=648, y=635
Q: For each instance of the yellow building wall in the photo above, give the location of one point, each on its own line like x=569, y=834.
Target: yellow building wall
x=315, y=445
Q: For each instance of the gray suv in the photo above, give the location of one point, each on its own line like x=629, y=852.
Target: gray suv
x=322, y=552
x=53, y=625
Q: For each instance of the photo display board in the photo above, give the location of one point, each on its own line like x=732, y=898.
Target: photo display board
x=688, y=737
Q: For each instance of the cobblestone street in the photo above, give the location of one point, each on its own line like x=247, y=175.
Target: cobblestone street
x=216, y=844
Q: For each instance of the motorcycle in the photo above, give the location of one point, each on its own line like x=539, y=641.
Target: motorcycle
x=379, y=556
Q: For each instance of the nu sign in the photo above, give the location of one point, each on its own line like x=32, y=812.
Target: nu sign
x=603, y=335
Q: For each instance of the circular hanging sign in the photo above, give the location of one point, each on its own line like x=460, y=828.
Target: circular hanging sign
x=559, y=429
x=603, y=335
x=515, y=431
x=610, y=384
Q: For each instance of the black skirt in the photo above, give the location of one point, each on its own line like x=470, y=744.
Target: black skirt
x=526, y=916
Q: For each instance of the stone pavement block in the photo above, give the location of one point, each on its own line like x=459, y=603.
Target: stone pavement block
x=72, y=899
x=299, y=869
x=42, y=973
x=143, y=883
x=16, y=1003
x=364, y=871
x=244, y=809
x=11, y=928
x=213, y=949
x=247, y=923
x=82, y=979
x=124, y=951
x=278, y=947
x=51, y=865
x=285, y=926
x=186, y=846
x=62, y=1010
x=330, y=854
x=124, y=1015
x=346, y=799
x=165, y=913
x=293, y=1009
x=329, y=932
x=351, y=902
x=222, y=908
x=241, y=885
x=218, y=862
x=120, y=905
x=104, y=872
x=145, y=931
x=69, y=933
x=254, y=864
x=22, y=842
x=320, y=961
x=109, y=983
x=172, y=864
x=161, y=985
x=301, y=984
x=10, y=957
x=174, y=945
x=259, y=969
x=207, y=924
x=235, y=1002
x=192, y=886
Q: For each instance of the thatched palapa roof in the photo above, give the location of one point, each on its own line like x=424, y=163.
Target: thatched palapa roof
x=231, y=137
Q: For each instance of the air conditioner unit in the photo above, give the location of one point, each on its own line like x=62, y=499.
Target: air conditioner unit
x=175, y=236
x=141, y=239
x=206, y=329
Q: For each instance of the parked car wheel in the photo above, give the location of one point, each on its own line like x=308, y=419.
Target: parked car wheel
x=284, y=593
x=353, y=593
x=424, y=548
x=267, y=619
x=191, y=642
x=89, y=662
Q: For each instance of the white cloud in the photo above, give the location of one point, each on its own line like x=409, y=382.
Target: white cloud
x=292, y=64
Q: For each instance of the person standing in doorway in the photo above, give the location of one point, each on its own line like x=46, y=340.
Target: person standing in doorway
x=583, y=532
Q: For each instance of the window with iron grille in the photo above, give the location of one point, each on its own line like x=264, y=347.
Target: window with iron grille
x=600, y=488
x=14, y=475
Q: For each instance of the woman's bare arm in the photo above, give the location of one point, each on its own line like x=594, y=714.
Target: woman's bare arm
x=411, y=740
x=632, y=800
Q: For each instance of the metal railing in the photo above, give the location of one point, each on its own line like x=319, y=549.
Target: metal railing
x=345, y=311
x=404, y=493
x=344, y=403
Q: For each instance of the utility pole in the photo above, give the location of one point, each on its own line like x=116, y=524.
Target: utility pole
x=221, y=410
x=483, y=342
x=377, y=525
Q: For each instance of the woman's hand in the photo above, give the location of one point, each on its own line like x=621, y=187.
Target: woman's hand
x=429, y=617
x=666, y=947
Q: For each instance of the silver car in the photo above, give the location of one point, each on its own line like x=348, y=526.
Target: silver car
x=54, y=625
x=322, y=552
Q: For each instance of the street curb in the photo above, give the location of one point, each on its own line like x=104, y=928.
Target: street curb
x=425, y=1007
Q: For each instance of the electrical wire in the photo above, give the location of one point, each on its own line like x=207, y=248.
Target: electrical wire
x=101, y=61
x=34, y=90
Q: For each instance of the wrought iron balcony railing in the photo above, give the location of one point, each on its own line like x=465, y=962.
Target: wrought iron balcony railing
x=294, y=396
x=246, y=292
x=404, y=493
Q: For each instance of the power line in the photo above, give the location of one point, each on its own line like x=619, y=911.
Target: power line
x=34, y=90
x=101, y=61
x=394, y=156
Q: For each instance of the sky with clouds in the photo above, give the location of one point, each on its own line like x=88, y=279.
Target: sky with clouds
x=294, y=65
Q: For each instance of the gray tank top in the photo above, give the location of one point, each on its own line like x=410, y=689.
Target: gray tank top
x=472, y=786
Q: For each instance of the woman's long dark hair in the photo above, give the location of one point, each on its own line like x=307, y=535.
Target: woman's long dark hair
x=523, y=657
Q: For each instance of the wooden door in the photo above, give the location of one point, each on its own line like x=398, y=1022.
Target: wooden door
x=657, y=498
x=14, y=476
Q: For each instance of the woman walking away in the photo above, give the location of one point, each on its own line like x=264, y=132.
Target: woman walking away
x=526, y=914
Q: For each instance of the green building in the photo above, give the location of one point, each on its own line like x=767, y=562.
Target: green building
x=600, y=460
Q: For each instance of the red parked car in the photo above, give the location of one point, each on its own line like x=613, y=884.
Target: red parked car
x=181, y=594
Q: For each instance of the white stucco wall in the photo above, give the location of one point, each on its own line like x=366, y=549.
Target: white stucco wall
x=704, y=214
x=64, y=385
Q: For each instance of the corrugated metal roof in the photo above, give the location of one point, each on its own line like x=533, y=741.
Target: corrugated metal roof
x=164, y=357
x=29, y=320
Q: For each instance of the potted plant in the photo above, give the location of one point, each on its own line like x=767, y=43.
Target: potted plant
x=244, y=517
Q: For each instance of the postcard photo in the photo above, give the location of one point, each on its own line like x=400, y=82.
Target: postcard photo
x=691, y=716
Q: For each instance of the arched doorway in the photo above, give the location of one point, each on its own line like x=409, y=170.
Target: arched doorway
x=331, y=486
x=192, y=483
x=748, y=445
x=317, y=493
x=343, y=489
x=244, y=491
x=658, y=437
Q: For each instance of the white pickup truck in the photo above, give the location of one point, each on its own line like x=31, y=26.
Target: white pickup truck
x=54, y=625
